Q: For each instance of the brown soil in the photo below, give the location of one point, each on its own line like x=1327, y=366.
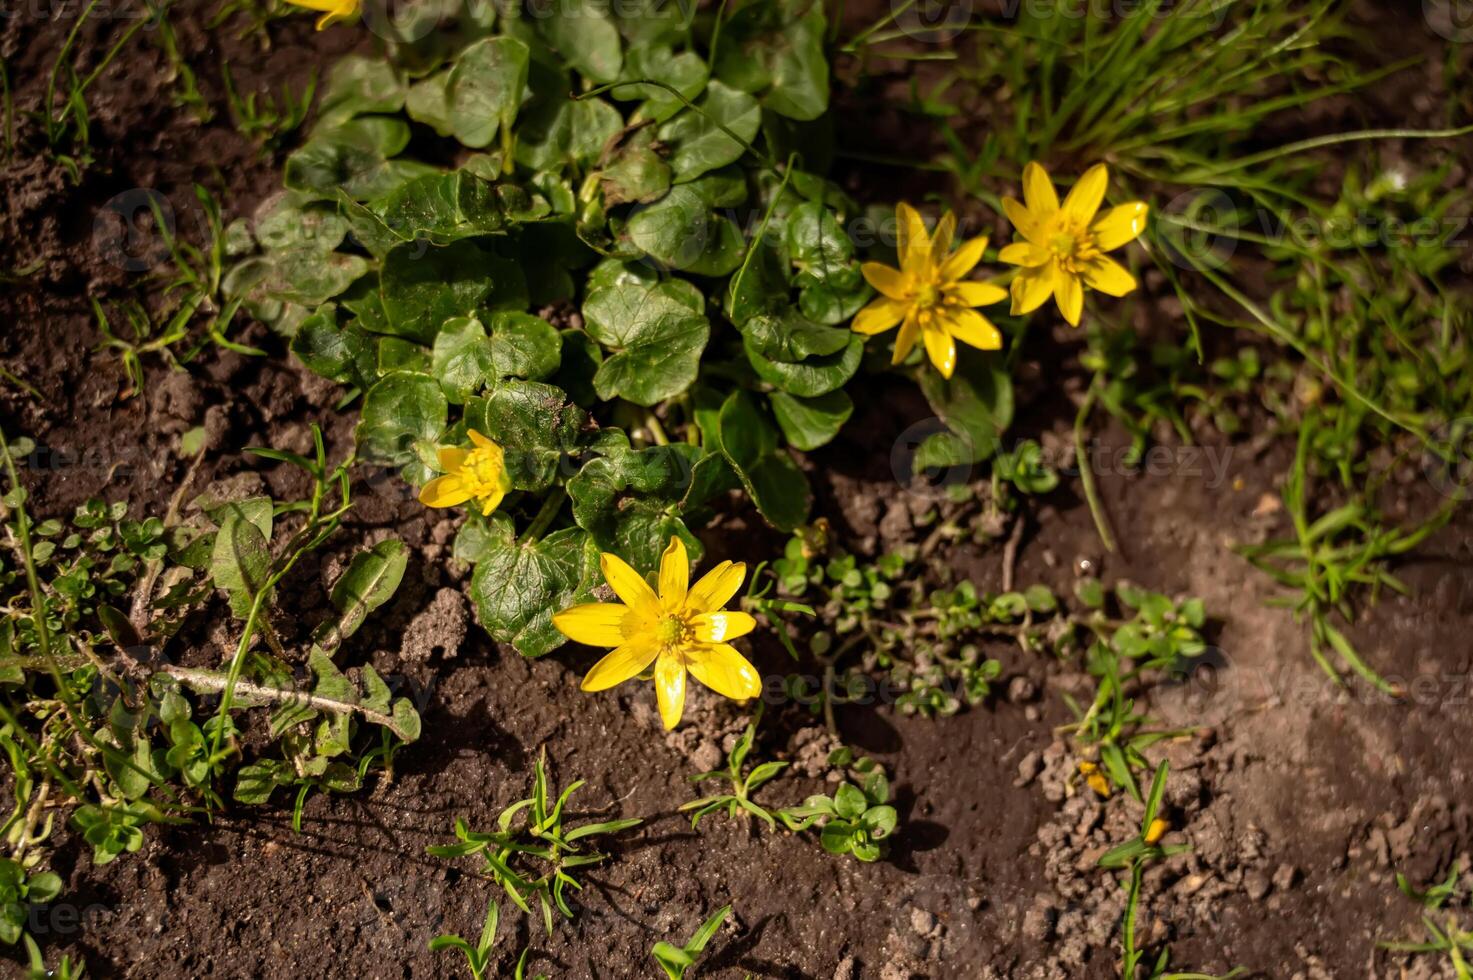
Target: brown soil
x=1299, y=802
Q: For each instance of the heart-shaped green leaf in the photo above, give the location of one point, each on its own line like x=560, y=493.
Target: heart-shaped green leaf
x=517, y=586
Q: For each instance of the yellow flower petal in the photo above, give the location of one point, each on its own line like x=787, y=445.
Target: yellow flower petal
x=879, y=315
x=941, y=238
x=1025, y=254
x=1086, y=196
x=906, y=338
x=1108, y=276
x=1120, y=225
x=1039, y=192
x=480, y=441
x=451, y=458
x=444, y=491
x=670, y=688
x=974, y=329
x=491, y=501
x=716, y=587
x=674, y=574
x=721, y=668
x=965, y=259
x=976, y=293
x=628, y=661
x=629, y=585
x=887, y=279
x=1069, y=293
x=1026, y=224
x=941, y=348
x=717, y=627
x=598, y=624
x=1032, y=288
x=913, y=244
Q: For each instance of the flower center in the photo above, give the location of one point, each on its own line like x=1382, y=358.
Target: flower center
x=1072, y=245
x=483, y=471
x=928, y=296
x=670, y=630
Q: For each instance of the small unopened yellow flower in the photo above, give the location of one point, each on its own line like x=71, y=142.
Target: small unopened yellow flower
x=332, y=10
x=1156, y=831
x=929, y=295
x=1095, y=779
x=477, y=473
x=683, y=628
x=1063, y=248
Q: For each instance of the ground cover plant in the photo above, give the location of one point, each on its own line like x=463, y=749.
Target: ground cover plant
x=1023, y=448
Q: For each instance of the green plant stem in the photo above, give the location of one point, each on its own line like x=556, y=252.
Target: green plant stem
x=1086, y=473
x=545, y=514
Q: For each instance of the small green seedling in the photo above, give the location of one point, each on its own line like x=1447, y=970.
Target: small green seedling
x=478, y=957
x=1136, y=854
x=676, y=961
x=743, y=783
x=854, y=820
x=1450, y=938
x=534, y=858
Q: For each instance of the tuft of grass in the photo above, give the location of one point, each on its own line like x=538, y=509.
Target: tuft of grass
x=531, y=855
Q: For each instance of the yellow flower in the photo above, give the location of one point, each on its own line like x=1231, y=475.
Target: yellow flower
x=1156, y=831
x=1095, y=779
x=1064, y=246
x=332, y=9
x=683, y=628
x=928, y=296
x=478, y=474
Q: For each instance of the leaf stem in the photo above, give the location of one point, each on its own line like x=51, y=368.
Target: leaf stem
x=550, y=507
x=1086, y=473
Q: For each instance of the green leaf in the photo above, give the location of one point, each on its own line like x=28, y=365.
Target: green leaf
x=680, y=231
x=768, y=49
x=523, y=346
x=369, y=581
x=656, y=333
x=760, y=286
x=818, y=244
x=241, y=561
x=517, y=586
x=638, y=173
x=402, y=419
x=700, y=142
x=427, y=102
x=749, y=443
x=422, y=288
x=849, y=802
x=557, y=130
x=812, y=376
x=976, y=405
x=462, y=359
x=444, y=208
x=790, y=338
x=536, y=426
x=485, y=88
x=808, y=423
x=632, y=503
x=358, y=85
x=354, y=157
x=685, y=72
x=343, y=354
x=583, y=33
x=255, y=782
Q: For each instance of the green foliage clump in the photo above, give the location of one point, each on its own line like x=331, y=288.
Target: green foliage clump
x=635, y=278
